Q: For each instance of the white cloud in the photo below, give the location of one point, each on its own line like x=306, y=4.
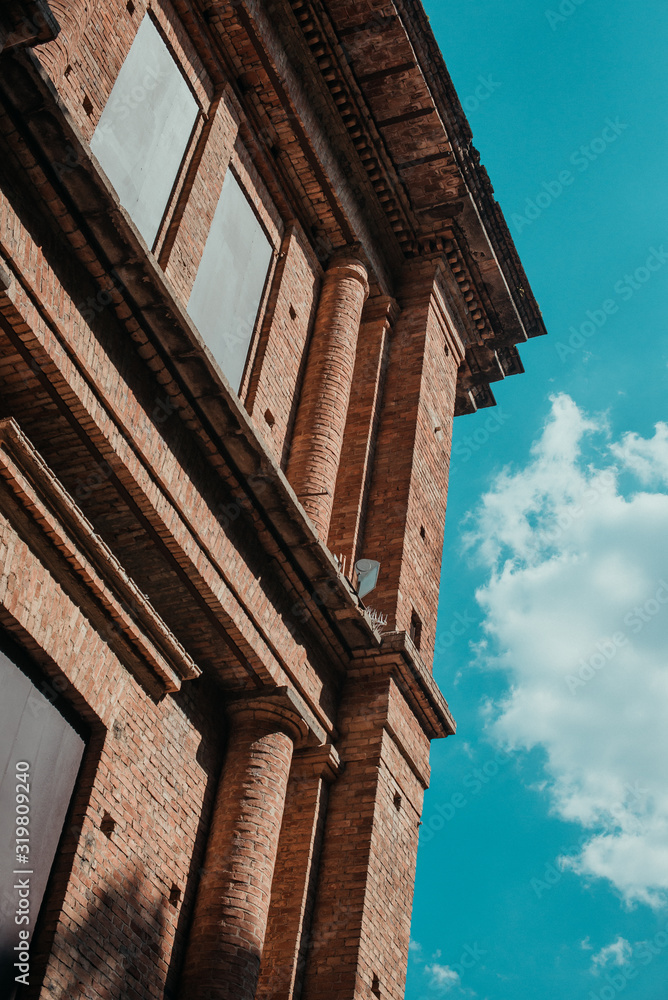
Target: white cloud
x=443, y=976
x=577, y=607
x=648, y=459
x=617, y=953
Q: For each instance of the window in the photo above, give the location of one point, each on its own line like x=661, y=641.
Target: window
x=40, y=754
x=144, y=130
x=416, y=630
x=228, y=289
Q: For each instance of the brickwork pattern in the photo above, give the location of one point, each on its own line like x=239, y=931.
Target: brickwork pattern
x=230, y=920
x=293, y=888
x=358, y=450
x=407, y=499
x=132, y=885
x=328, y=382
x=278, y=369
x=361, y=924
x=202, y=857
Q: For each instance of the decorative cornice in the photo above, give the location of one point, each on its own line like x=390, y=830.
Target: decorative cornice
x=439, y=202
x=399, y=658
x=99, y=584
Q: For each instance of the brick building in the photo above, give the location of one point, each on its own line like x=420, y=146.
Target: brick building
x=250, y=270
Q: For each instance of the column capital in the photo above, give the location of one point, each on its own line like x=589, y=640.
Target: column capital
x=280, y=710
x=318, y=762
x=381, y=308
x=348, y=265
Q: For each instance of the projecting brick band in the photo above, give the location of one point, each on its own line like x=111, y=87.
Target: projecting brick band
x=230, y=920
x=323, y=407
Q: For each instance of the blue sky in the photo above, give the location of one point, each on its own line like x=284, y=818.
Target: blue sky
x=543, y=866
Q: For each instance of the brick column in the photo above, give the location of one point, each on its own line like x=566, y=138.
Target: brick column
x=297, y=864
x=323, y=406
x=352, y=482
x=230, y=918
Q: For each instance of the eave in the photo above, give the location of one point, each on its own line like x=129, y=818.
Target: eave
x=380, y=79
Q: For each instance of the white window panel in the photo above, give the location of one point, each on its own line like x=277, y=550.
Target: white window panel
x=32, y=732
x=230, y=281
x=144, y=130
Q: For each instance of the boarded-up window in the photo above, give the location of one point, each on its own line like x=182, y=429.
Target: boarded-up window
x=40, y=753
x=228, y=288
x=144, y=130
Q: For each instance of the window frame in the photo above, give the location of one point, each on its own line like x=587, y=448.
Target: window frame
x=261, y=311
x=181, y=61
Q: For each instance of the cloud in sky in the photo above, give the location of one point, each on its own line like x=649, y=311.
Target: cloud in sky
x=443, y=976
x=648, y=459
x=576, y=607
x=618, y=953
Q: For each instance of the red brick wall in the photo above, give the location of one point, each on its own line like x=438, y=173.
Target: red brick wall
x=226, y=940
x=119, y=406
x=295, y=878
x=150, y=766
x=410, y=474
x=183, y=243
x=95, y=38
x=278, y=367
x=273, y=377
x=361, y=925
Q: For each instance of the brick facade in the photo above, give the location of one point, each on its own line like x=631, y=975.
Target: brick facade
x=177, y=559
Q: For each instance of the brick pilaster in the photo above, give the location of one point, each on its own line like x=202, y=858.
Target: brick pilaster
x=293, y=889
x=405, y=513
x=359, y=440
x=328, y=380
x=230, y=918
x=361, y=925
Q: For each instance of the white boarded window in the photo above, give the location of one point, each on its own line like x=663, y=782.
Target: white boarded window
x=40, y=754
x=228, y=289
x=143, y=133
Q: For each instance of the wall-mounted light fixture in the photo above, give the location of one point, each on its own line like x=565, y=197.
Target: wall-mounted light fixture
x=367, y=575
